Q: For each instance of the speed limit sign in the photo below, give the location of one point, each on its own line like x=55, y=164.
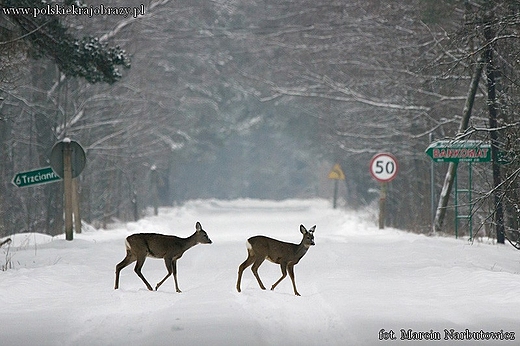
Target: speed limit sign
x=383, y=167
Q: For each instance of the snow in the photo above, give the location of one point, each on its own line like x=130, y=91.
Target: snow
x=358, y=283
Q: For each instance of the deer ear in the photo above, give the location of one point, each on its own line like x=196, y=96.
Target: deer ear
x=198, y=226
x=303, y=229
x=313, y=228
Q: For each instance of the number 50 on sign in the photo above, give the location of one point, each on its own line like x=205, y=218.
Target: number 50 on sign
x=383, y=167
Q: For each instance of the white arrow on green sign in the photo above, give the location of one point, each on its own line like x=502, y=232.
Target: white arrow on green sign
x=35, y=177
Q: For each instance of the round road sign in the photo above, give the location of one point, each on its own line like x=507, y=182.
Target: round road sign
x=383, y=167
x=77, y=159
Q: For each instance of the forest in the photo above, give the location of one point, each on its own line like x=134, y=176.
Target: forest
x=175, y=100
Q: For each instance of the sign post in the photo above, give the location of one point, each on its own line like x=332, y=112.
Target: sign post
x=336, y=174
x=68, y=161
x=456, y=151
x=67, y=183
x=383, y=168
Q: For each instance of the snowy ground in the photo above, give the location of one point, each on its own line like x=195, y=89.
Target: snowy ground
x=355, y=282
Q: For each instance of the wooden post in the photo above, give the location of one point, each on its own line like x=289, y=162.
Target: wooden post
x=67, y=188
x=334, y=202
x=155, y=190
x=134, y=204
x=75, y=206
x=382, y=205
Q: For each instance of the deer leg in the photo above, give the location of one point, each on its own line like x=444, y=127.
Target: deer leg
x=290, y=268
x=283, y=266
x=137, y=270
x=125, y=262
x=249, y=260
x=254, y=269
x=168, y=264
x=174, y=268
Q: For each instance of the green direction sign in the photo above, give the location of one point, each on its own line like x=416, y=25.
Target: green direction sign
x=459, y=151
x=35, y=177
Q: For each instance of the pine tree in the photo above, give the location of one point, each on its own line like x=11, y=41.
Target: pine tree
x=48, y=37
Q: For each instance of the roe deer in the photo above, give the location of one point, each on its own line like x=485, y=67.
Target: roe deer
x=169, y=247
x=7, y=241
x=287, y=255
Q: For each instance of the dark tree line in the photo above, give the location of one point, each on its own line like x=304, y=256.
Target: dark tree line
x=235, y=99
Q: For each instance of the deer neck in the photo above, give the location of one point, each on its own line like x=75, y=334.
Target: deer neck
x=189, y=242
x=301, y=250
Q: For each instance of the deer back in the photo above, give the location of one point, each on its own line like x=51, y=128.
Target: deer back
x=155, y=245
x=274, y=250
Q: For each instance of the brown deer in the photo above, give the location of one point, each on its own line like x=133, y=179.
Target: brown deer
x=168, y=247
x=287, y=255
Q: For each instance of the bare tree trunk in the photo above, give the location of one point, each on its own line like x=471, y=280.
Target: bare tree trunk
x=452, y=168
x=492, y=108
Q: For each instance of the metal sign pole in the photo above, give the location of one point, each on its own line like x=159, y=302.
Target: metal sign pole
x=456, y=206
x=470, y=202
x=432, y=187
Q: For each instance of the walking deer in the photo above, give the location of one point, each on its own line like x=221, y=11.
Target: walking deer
x=287, y=255
x=168, y=247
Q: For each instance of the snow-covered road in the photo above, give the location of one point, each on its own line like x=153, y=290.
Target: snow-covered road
x=358, y=284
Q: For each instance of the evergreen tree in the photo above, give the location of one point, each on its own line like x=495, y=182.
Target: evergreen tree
x=47, y=36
